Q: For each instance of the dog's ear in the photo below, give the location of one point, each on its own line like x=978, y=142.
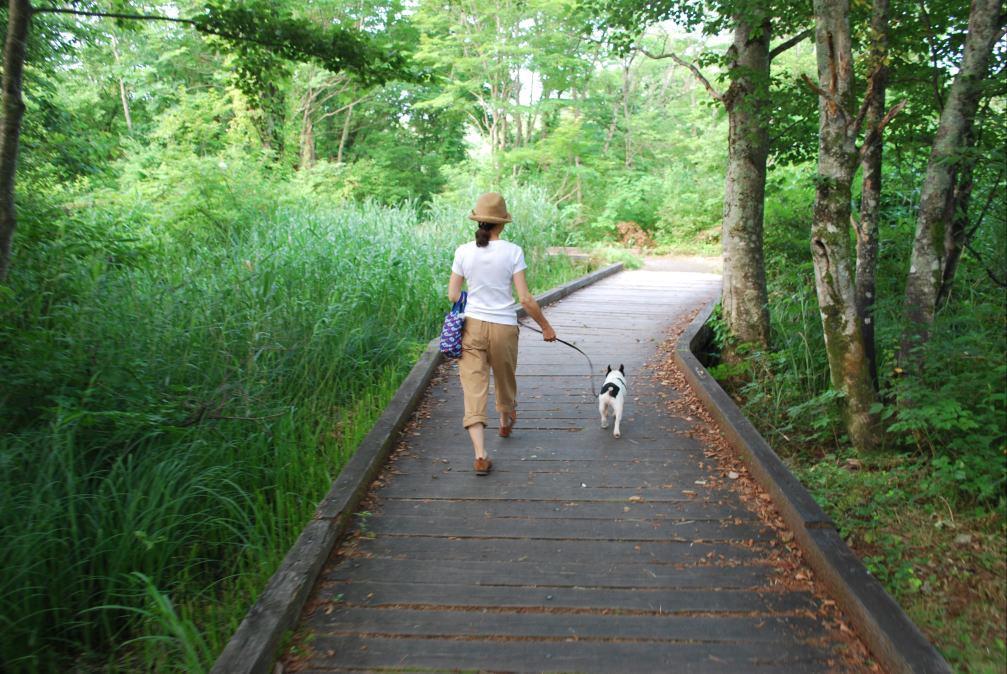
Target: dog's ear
x=608, y=368
x=621, y=369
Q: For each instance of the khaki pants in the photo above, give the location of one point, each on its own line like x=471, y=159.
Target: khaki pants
x=488, y=345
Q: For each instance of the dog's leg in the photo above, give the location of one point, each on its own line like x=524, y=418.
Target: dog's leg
x=617, y=406
x=603, y=410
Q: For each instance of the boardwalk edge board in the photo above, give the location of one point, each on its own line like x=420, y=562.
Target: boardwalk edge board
x=252, y=649
x=885, y=628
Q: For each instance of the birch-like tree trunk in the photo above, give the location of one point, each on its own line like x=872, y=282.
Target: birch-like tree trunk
x=345, y=135
x=627, y=89
x=830, y=240
x=18, y=18
x=957, y=224
x=870, y=198
x=307, y=139
x=929, y=256
x=745, y=299
x=308, y=154
x=123, y=95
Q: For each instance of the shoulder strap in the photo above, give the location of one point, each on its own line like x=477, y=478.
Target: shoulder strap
x=459, y=306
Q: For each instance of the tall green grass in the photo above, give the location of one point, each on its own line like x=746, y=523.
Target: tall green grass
x=176, y=402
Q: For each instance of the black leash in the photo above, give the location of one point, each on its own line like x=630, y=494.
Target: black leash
x=575, y=348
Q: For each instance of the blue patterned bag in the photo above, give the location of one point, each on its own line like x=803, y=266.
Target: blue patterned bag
x=451, y=334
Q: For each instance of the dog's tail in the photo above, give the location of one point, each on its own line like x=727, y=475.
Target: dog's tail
x=610, y=388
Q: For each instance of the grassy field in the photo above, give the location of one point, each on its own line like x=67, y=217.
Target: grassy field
x=177, y=405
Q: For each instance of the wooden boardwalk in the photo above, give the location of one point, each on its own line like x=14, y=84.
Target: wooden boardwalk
x=580, y=552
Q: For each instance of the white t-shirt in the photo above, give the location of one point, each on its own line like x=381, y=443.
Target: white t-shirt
x=489, y=272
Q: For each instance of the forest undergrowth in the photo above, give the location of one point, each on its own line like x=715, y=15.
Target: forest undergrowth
x=927, y=513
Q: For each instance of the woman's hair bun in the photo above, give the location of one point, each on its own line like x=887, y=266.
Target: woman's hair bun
x=483, y=234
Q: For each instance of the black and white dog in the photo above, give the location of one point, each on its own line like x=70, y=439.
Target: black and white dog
x=613, y=394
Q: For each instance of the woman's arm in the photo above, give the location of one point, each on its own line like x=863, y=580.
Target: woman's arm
x=532, y=307
x=455, y=287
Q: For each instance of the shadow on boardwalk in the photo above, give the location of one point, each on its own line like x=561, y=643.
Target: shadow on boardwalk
x=580, y=552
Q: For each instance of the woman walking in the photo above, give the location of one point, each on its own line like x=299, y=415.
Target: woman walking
x=490, y=265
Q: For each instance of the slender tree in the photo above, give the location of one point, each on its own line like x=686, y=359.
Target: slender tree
x=18, y=18
x=745, y=299
x=838, y=157
x=947, y=171
x=870, y=193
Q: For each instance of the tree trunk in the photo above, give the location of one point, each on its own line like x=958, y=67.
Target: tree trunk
x=626, y=90
x=610, y=132
x=345, y=135
x=122, y=88
x=308, y=156
x=929, y=256
x=870, y=199
x=956, y=233
x=18, y=18
x=745, y=299
x=830, y=242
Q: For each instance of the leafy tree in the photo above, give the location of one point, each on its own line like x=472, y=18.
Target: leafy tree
x=747, y=101
x=259, y=33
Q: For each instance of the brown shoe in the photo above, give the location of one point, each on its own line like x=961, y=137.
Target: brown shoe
x=505, y=430
x=482, y=466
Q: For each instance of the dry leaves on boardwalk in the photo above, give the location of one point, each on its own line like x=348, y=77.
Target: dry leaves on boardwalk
x=792, y=571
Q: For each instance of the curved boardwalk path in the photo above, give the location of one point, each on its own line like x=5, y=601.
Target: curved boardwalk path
x=579, y=553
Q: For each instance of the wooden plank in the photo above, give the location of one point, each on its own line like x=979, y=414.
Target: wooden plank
x=572, y=551
x=377, y=592
x=510, y=474
x=788, y=631
x=513, y=455
x=554, y=573
x=469, y=486
x=539, y=459
x=657, y=529
x=659, y=473
x=634, y=441
x=561, y=656
x=564, y=509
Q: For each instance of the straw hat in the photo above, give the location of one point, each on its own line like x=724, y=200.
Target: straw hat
x=491, y=208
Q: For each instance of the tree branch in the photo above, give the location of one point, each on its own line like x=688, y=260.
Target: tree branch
x=199, y=26
x=989, y=201
x=695, y=71
x=1000, y=282
x=866, y=103
x=112, y=15
x=873, y=135
x=346, y=107
x=792, y=42
x=817, y=89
